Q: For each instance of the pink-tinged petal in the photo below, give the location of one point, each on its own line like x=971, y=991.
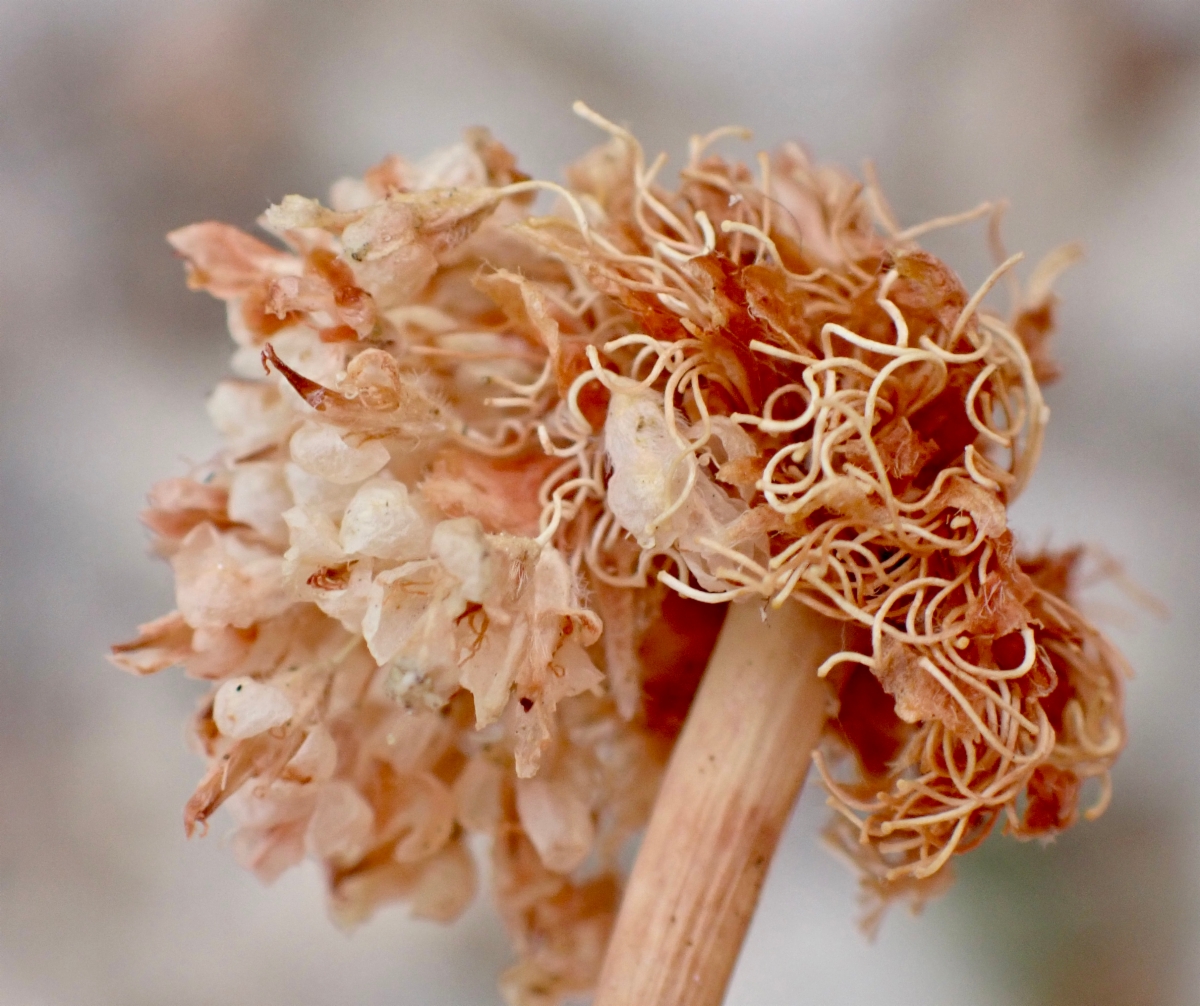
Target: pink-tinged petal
x=228, y=262
x=160, y=644
x=558, y=822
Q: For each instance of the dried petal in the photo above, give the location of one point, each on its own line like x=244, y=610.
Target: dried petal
x=919, y=697
x=341, y=824
x=258, y=495
x=160, y=644
x=224, y=260
x=220, y=580
x=244, y=708
x=460, y=547
x=446, y=886
x=420, y=818
x=380, y=521
x=646, y=474
x=323, y=451
x=558, y=822
x=478, y=795
x=315, y=759
x=250, y=416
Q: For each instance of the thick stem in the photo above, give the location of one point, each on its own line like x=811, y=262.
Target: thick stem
x=729, y=788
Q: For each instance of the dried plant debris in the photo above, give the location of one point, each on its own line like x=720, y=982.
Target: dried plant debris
x=464, y=555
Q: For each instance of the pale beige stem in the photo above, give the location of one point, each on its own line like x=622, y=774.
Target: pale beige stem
x=729, y=788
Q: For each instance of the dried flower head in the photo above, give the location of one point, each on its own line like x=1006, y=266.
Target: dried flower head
x=465, y=554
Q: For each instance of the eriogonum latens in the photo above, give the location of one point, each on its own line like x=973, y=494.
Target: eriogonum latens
x=491, y=476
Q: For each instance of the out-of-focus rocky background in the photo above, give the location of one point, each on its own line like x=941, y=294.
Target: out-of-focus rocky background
x=120, y=120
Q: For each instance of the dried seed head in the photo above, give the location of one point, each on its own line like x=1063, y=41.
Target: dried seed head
x=456, y=567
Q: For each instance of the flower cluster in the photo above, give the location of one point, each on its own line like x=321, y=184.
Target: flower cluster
x=464, y=555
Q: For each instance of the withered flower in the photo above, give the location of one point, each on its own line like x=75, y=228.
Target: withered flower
x=474, y=533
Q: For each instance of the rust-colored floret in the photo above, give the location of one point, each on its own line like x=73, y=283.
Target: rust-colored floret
x=463, y=558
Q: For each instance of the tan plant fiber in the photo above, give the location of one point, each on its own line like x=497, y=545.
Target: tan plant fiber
x=491, y=475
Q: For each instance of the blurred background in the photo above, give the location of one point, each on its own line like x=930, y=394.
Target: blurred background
x=120, y=120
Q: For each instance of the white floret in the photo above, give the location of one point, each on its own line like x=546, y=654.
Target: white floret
x=323, y=451
x=382, y=522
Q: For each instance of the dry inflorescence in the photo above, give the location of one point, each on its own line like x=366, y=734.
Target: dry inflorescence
x=464, y=556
